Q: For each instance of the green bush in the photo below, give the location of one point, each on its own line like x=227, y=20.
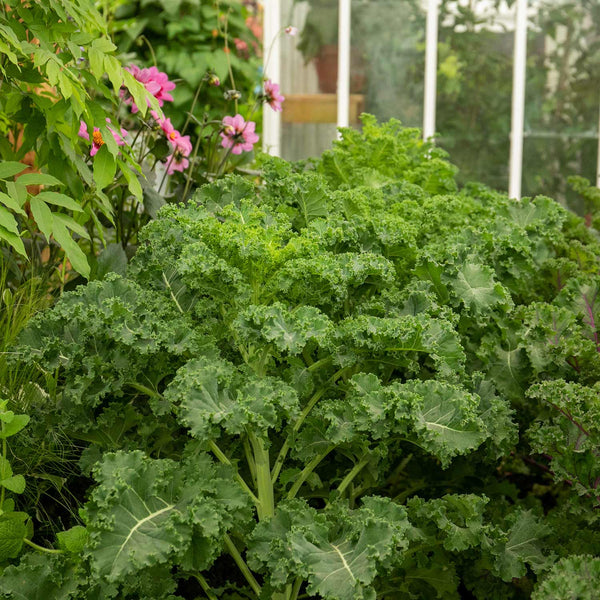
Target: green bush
x=350, y=382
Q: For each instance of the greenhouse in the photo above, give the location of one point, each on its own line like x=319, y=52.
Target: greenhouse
x=299, y=300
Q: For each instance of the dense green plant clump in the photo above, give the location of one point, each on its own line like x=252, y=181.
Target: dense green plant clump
x=349, y=382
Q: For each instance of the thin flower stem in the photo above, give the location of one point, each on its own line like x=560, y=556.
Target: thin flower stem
x=190, y=112
x=188, y=182
x=41, y=548
x=145, y=39
x=235, y=554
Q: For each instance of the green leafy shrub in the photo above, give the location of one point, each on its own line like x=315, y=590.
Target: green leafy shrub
x=351, y=382
x=55, y=56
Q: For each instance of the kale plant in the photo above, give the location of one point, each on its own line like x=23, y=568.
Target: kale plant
x=350, y=382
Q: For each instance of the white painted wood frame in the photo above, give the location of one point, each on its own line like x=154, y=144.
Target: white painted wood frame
x=515, y=168
x=343, y=82
x=431, y=45
x=271, y=134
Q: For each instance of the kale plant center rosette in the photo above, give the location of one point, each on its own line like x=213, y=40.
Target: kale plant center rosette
x=350, y=382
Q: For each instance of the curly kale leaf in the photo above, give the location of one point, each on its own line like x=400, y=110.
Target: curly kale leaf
x=340, y=551
x=288, y=330
x=145, y=512
x=568, y=430
x=572, y=578
x=440, y=418
x=213, y=394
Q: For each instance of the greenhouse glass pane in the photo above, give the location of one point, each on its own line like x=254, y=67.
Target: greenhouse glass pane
x=388, y=57
x=474, y=88
x=562, y=98
x=309, y=78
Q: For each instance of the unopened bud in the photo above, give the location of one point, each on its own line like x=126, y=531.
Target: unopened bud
x=232, y=95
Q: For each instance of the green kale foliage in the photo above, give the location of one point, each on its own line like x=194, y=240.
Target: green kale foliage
x=350, y=382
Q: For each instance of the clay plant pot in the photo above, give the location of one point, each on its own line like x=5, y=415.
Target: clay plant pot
x=326, y=64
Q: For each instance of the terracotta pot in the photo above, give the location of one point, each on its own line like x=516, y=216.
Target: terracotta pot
x=326, y=63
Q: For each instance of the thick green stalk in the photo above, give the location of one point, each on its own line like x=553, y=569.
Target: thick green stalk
x=264, y=485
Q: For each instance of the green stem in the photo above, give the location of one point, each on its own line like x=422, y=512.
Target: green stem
x=4, y=461
x=222, y=458
x=264, y=485
x=292, y=435
x=290, y=438
x=308, y=469
x=191, y=111
x=41, y=548
x=145, y=390
x=250, y=459
x=296, y=588
x=205, y=587
x=239, y=561
x=358, y=467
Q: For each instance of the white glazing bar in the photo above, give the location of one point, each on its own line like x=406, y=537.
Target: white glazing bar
x=271, y=134
x=598, y=167
x=343, y=82
x=431, y=43
x=518, y=101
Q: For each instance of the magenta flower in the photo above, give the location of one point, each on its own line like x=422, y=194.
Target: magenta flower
x=97, y=141
x=238, y=135
x=156, y=83
x=272, y=95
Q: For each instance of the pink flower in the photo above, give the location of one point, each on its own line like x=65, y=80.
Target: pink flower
x=156, y=83
x=176, y=162
x=170, y=132
x=97, y=141
x=240, y=46
x=182, y=148
x=291, y=30
x=272, y=95
x=182, y=144
x=238, y=135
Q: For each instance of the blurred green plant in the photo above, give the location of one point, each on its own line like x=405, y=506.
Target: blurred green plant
x=189, y=38
x=54, y=57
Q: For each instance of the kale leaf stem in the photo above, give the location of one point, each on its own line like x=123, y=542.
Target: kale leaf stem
x=222, y=458
x=239, y=561
x=308, y=469
x=358, y=467
x=290, y=438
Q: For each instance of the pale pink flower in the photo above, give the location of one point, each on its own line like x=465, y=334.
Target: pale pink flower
x=97, y=141
x=272, y=95
x=291, y=30
x=176, y=162
x=170, y=132
x=238, y=135
x=156, y=83
x=240, y=46
x=182, y=144
x=182, y=148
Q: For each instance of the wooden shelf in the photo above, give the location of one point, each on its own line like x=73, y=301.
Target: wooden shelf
x=318, y=108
